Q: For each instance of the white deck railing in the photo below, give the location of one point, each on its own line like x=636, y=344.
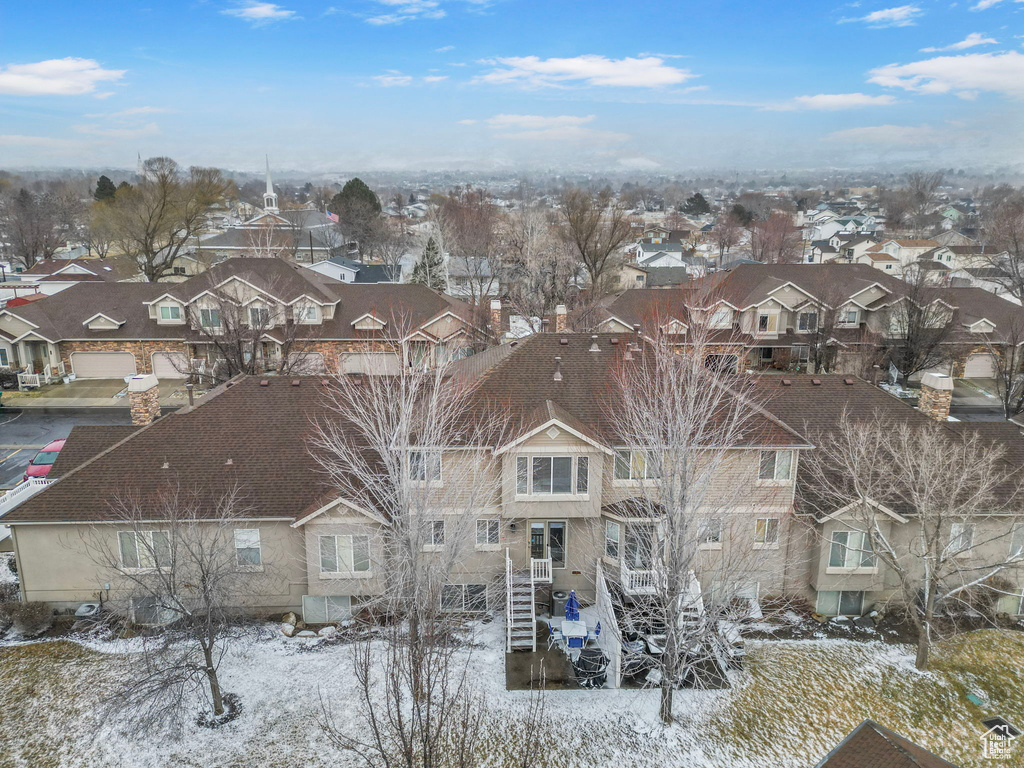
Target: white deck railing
x=540, y=571
x=643, y=582
x=21, y=492
x=29, y=380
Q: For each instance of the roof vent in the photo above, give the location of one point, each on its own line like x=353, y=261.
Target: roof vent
x=558, y=369
x=229, y=463
x=787, y=382
x=848, y=380
x=593, y=344
x=165, y=465
x=614, y=341
x=563, y=341
x=264, y=383
x=816, y=382
x=296, y=382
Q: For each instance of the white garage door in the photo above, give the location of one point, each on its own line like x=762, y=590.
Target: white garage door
x=170, y=365
x=307, y=363
x=103, y=365
x=373, y=363
x=981, y=366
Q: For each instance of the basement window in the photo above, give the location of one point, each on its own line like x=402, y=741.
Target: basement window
x=1003, y=727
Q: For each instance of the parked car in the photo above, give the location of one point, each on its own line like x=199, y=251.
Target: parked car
x=42, y=461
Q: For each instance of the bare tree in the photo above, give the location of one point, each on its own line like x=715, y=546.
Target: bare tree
x=413, y=451
x=1008, y=359
x=725, y=235
x=682, y=418
x=156, y=220
x=249, y=337
x=176, y=562
x=267, y=240
x=597, y=227
x=775, y=240
x=937, y=509
x=1005, y=229
x=33, y=226
x=390, y=242
x=468, y=222
x=918, y=332
x=921, y=189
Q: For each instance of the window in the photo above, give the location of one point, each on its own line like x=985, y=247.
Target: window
x=178, y=271
x=340, y=554
x=801, y=354
x=768, y=323
x=721, y=318
x=172, y=312
x=711, y=533
x=464, y=597
x=153, y=611
x=247, y=547
x=807, y=322
x=259, y=317
x=850, y=549
x=549, y=475
x=776, y=466
x=435, y=533
x=961, y=538
x=488, y=533
x=4, y=360
x=766, y=532
x=144, y=549
x=840, y=603
x=612, y=535
x=209, y=318
x=634, y=465
x=323, y=610
x=425, y=466
x=307, y=313
x=847, y=317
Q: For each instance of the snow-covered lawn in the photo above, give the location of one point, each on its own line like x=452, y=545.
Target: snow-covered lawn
x=795, y=701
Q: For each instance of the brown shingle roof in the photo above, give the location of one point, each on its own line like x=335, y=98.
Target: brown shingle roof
x=85, y=442
x=871, y=745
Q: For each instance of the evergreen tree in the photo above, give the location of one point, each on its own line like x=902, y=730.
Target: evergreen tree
x=124, y=185
x=358, y=210
x=696, y=205
x=105, y=190
x=429, y=270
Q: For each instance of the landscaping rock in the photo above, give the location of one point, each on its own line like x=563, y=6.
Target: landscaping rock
x=329, y=631
x=290, y=618
x=288, y=629
x=305, y=633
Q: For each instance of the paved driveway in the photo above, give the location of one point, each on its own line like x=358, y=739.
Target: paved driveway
x=25, y=431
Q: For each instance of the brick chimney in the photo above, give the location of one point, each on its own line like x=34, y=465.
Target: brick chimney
x=936, y=396
x=496, y=324
x=144, y=399
x=561, y=314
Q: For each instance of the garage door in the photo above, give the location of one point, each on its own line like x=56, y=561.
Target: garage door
x=306, y=363
x=103, y=365
x=981, y=366
x=170, y=365
x=373, y=363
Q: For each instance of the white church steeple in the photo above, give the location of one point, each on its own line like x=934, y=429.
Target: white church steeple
x=270, y=197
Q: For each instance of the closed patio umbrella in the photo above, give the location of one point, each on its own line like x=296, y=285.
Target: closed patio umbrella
x=572, y=607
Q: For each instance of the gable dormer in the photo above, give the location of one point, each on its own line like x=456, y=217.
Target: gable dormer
x=102, y=322
x=674, y=327
x=981, y=326
x=369, y=322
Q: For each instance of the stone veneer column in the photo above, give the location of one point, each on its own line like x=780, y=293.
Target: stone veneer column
x=144, y=399
x=936, y=396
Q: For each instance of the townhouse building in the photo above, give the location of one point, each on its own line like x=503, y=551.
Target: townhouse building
x=568, y=508
x=283, y=311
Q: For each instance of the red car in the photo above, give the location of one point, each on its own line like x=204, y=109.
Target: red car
x=42, y=461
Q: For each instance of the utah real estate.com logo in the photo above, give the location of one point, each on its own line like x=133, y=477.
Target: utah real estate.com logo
x=997, y=743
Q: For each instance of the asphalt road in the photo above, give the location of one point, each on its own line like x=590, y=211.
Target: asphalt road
x=24, y=431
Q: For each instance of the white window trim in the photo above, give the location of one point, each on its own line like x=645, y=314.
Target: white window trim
x=428, y=483
x=846, y=323
x=531, y=496
x=966, y=553
x=778, y=534
x=849, y=570
x=632, y=482
x=431, y=546
x=465, y=595
x=618, y=542
x=487, y=547
x=764, y=483
x=136, y=534
x=807, y=330
x=342, y=574
x=248, y=567
x=714, y=545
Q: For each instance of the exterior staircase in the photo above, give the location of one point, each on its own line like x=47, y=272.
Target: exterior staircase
x=520, y=603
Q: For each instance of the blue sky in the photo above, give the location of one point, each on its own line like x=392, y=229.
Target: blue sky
x=394, y=84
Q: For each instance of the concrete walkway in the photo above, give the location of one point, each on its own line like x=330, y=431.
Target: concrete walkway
x=93, y=393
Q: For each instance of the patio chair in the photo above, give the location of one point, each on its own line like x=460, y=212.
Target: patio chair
x=554, y=636
x=575, y=642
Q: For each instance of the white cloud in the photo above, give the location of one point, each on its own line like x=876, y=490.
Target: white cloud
x=434, y=78
x=973, y=39
x=104, y=95
x=467, y=122
x=131, y=112
x=986, y=4
x=260, y=14
x=393, y=79
x=55, y=77
x=15, y=140
x=963, y=75
x=532, y=71
x=149, y=129
x=900, y=16
x=537, y=121
x=444, y=48
x=888, y=135
x=835, y=101
x=407, y=10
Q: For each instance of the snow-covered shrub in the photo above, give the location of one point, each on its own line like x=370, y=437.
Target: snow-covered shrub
x=30, y=619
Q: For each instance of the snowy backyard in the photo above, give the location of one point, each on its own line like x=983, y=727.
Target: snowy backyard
x=795, y=700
